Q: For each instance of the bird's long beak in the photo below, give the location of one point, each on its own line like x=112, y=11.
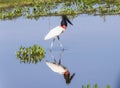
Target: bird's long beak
x=66, y=18
x=69, y=21
x=72, y=76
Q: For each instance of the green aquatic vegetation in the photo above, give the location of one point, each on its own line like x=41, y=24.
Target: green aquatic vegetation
x=94, y=86
x=108, y=86
x=32, y=54
x=17, y=11
x=59, y=7
x=88, y=86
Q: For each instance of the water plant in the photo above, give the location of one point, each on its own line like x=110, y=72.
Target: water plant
x=32, y=54
x=94, y=86
x=39, y=8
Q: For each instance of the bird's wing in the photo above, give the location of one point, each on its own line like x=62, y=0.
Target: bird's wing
x=56, y=67
x=54, y=32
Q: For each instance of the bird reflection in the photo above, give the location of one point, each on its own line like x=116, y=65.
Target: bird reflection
x=59, y=68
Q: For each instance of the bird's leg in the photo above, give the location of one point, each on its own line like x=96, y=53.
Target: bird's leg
x=59, y=60
x=52, y=43
x=52, y=55
x=61, y=56
x=60, y=44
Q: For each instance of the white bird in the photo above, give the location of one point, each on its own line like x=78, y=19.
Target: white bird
x=60, y=69
x=56, y=67
x=55, y=32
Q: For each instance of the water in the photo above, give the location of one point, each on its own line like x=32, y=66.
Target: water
x=92, y=52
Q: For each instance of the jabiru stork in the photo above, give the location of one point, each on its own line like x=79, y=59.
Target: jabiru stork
x=59, y=68
x=55, y=32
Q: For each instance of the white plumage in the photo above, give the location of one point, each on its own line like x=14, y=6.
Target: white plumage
x=56, y=67
x=54, y=32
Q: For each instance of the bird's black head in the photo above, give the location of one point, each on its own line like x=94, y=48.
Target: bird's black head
x=65, y=20
x=68, y=78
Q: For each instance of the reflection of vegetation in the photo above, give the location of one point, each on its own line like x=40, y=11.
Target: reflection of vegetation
x=95, y=86
x=32, y=54
x=37, y=8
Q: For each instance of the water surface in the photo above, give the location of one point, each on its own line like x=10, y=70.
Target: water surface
x=92, y=52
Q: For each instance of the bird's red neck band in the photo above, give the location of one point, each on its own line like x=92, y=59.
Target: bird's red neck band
x=66, y=73
x=63, y=26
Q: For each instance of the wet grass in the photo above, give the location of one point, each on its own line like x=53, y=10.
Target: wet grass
x=10, y=9
x=4, y=4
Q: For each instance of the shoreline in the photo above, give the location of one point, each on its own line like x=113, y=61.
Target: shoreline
x=20, y=3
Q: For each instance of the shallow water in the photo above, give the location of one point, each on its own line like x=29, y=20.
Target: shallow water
x=92, y=52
